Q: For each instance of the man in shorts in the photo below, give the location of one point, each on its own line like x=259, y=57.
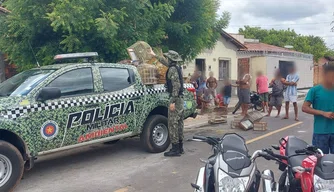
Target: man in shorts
x=244, y=92
x=262, y=89
x=291, y=92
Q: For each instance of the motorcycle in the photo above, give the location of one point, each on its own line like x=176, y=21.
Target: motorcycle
x=230, y=168
x=255, y=103
x=305, y=168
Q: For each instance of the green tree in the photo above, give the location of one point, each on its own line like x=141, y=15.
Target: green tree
x=307, y=44
x=50, y=27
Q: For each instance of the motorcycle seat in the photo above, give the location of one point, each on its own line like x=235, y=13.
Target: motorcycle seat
x=294, y=144
x=325, y=167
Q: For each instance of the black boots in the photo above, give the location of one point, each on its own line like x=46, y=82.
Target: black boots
x=181, y=147
x=174, y=151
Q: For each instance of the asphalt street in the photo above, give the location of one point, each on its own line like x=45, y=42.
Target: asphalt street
x=125, y=167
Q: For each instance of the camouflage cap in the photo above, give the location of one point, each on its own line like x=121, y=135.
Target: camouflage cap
x=173, y=56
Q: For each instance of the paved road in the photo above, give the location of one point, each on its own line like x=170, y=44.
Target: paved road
x=125, y=167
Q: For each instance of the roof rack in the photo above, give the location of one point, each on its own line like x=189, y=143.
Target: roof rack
x=87, y=55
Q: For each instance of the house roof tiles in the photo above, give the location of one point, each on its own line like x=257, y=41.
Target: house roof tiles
x=267, y=47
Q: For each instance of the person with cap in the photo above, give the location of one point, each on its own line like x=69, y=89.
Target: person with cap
x=175, y=112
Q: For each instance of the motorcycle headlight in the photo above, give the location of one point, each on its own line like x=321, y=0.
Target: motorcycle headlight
x=229, y=184
x=321, y=185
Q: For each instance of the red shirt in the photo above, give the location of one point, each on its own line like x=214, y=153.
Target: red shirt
x=262, y=84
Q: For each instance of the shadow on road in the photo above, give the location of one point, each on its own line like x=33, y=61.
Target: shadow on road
x=80, y=156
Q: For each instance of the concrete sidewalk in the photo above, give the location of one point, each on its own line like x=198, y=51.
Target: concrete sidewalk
x=202, y=120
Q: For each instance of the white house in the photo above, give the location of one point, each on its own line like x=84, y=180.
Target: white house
x=222, y=59
x=268, y=58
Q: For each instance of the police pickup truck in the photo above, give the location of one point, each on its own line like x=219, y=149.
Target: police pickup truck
x=63, y=106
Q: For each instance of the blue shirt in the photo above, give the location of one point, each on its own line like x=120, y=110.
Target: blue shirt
x=292, y=89
x=322, y=99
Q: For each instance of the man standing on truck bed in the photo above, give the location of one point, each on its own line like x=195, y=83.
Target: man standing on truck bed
x=175, y=112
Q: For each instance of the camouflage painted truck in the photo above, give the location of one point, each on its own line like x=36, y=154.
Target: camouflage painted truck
x=63, y=106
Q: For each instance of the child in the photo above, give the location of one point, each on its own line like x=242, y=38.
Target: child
x=321, y=99
x=227, y=92
x=207, y=101
x=212, y=84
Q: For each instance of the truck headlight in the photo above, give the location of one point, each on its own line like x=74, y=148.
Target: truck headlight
x=321, y=185
x=229, y=184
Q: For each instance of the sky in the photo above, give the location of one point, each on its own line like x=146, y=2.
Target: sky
x=307, y=17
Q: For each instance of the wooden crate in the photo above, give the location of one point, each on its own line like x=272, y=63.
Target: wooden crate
x=246, y=125
x=260, y=126
x=238, y=119
x=255, y=116
x=235, y=124
x=220, y=111
x=217, y=121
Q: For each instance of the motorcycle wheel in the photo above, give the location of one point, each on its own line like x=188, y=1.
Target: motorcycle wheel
x=258, y=106
x=281, y=182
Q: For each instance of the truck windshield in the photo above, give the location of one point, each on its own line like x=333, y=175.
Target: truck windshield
x=22, y=83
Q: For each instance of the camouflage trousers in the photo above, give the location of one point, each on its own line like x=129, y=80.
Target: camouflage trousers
x=175, y=122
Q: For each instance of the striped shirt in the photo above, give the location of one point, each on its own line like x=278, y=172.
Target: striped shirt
x=292, y=89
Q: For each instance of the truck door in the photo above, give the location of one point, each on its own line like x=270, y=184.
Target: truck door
x=116, y=113
x=75, y=85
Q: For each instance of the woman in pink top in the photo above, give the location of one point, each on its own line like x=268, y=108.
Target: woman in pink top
x=262, y=89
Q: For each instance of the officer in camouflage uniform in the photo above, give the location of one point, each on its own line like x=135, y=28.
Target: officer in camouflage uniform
x=175, y=112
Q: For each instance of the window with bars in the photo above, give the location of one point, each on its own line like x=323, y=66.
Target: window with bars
x=224, y=69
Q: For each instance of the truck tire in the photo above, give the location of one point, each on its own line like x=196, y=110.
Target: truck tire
x=11, y=166
x=155, y=135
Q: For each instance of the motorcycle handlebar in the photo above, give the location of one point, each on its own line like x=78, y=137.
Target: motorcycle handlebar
x=298, y=151
x=200, y=138
x=279, y=156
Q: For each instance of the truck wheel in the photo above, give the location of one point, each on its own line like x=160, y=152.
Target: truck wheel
x=11, y=166
x=155, y=135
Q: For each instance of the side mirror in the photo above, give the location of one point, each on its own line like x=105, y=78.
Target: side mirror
x=49, y=93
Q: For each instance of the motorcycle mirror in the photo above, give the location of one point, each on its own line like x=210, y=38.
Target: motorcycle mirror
x=198, y=188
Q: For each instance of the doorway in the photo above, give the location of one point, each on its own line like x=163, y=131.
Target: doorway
x=200, y=65
x=284, y=67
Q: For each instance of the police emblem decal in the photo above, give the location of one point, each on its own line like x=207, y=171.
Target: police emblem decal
x=49, y=130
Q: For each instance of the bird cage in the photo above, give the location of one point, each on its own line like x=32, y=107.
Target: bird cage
x=140, y=51
x=161, y=69
x=148, y=74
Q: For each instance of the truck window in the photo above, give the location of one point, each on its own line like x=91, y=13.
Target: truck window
x=23, y=83
x=115, y=79
x=75, y=82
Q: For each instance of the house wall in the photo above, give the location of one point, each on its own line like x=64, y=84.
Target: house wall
x=269, y=64
x=257, y=64
x=240, y=38
x=317, y=71
x=304, y=68
x=223, y=50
